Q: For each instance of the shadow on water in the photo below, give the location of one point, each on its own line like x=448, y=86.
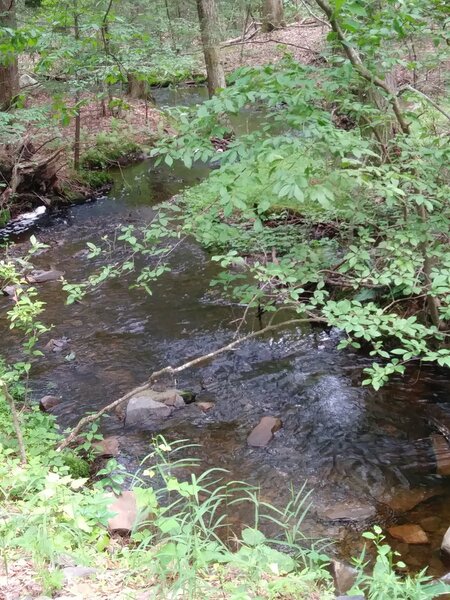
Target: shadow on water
x=368, y=457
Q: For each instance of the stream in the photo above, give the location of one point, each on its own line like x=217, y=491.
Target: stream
x=367, y=456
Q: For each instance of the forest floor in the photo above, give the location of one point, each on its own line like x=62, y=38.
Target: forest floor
x=304, y=41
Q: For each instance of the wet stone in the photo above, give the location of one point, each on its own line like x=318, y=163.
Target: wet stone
x=431, y=524
x=205, y=406
x=406, y=500
x=46, y=403
x=409, y=534
x=57, y=345
x=262, y=434
x=107, y=447
x=343, y=511
x=442, y=454
x=11, y=290
x=44, y=276
x=142, y=408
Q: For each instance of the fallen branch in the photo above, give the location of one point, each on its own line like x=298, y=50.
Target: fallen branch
x=173, y=370
x=271, y=40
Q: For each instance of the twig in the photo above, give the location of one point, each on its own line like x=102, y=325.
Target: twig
x=428, y=99
x=173, y=370
x=308, y=8
x=15, y=420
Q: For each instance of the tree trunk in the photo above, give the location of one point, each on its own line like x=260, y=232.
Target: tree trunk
x=77, y=137
x=209, y=29
x=138, y=88
x=9, y=72
x=272, y=15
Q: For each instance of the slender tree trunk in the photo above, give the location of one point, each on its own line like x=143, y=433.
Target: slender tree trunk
x=272, y=15
x=9, y=72
x=209, y=29
x=77, y=139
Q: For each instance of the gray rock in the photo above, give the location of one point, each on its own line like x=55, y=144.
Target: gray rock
x=350, y=598
x=78, y=572
x=445, y=546
x=344, y=576
x=46, y=403
x=143, y=407
x=44, y=276
x=57, y=345
x=11, y=290
x=347, y=511
x=26, y=80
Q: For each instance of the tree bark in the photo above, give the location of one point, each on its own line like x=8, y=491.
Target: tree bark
x=209, y=29
x=9, y=72
x=272, y=15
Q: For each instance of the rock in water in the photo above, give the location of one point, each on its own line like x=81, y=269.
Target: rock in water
x=107, y=447
x=409, y=534
x=126, y=512
x=263, y=432
x=442, y=454
x=46, y=403
x=205, y=406
x=153, y=405
x=44, y=276
x=445, y=546
x=347, y=511
x=141, y=409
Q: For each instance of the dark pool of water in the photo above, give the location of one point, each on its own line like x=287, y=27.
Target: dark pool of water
x=358, y=450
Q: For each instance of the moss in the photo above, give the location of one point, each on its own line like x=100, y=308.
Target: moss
x=110, y=148
x=94, y=179
x=79, y=468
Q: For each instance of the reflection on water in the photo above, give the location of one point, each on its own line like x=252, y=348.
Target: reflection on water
x=356, y=448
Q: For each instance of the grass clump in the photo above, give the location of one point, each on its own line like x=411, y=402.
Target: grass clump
x=111, y=148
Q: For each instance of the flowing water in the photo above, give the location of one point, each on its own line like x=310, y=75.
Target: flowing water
x=367, y=457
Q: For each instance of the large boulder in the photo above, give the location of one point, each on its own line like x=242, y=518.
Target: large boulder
x=263, y=433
